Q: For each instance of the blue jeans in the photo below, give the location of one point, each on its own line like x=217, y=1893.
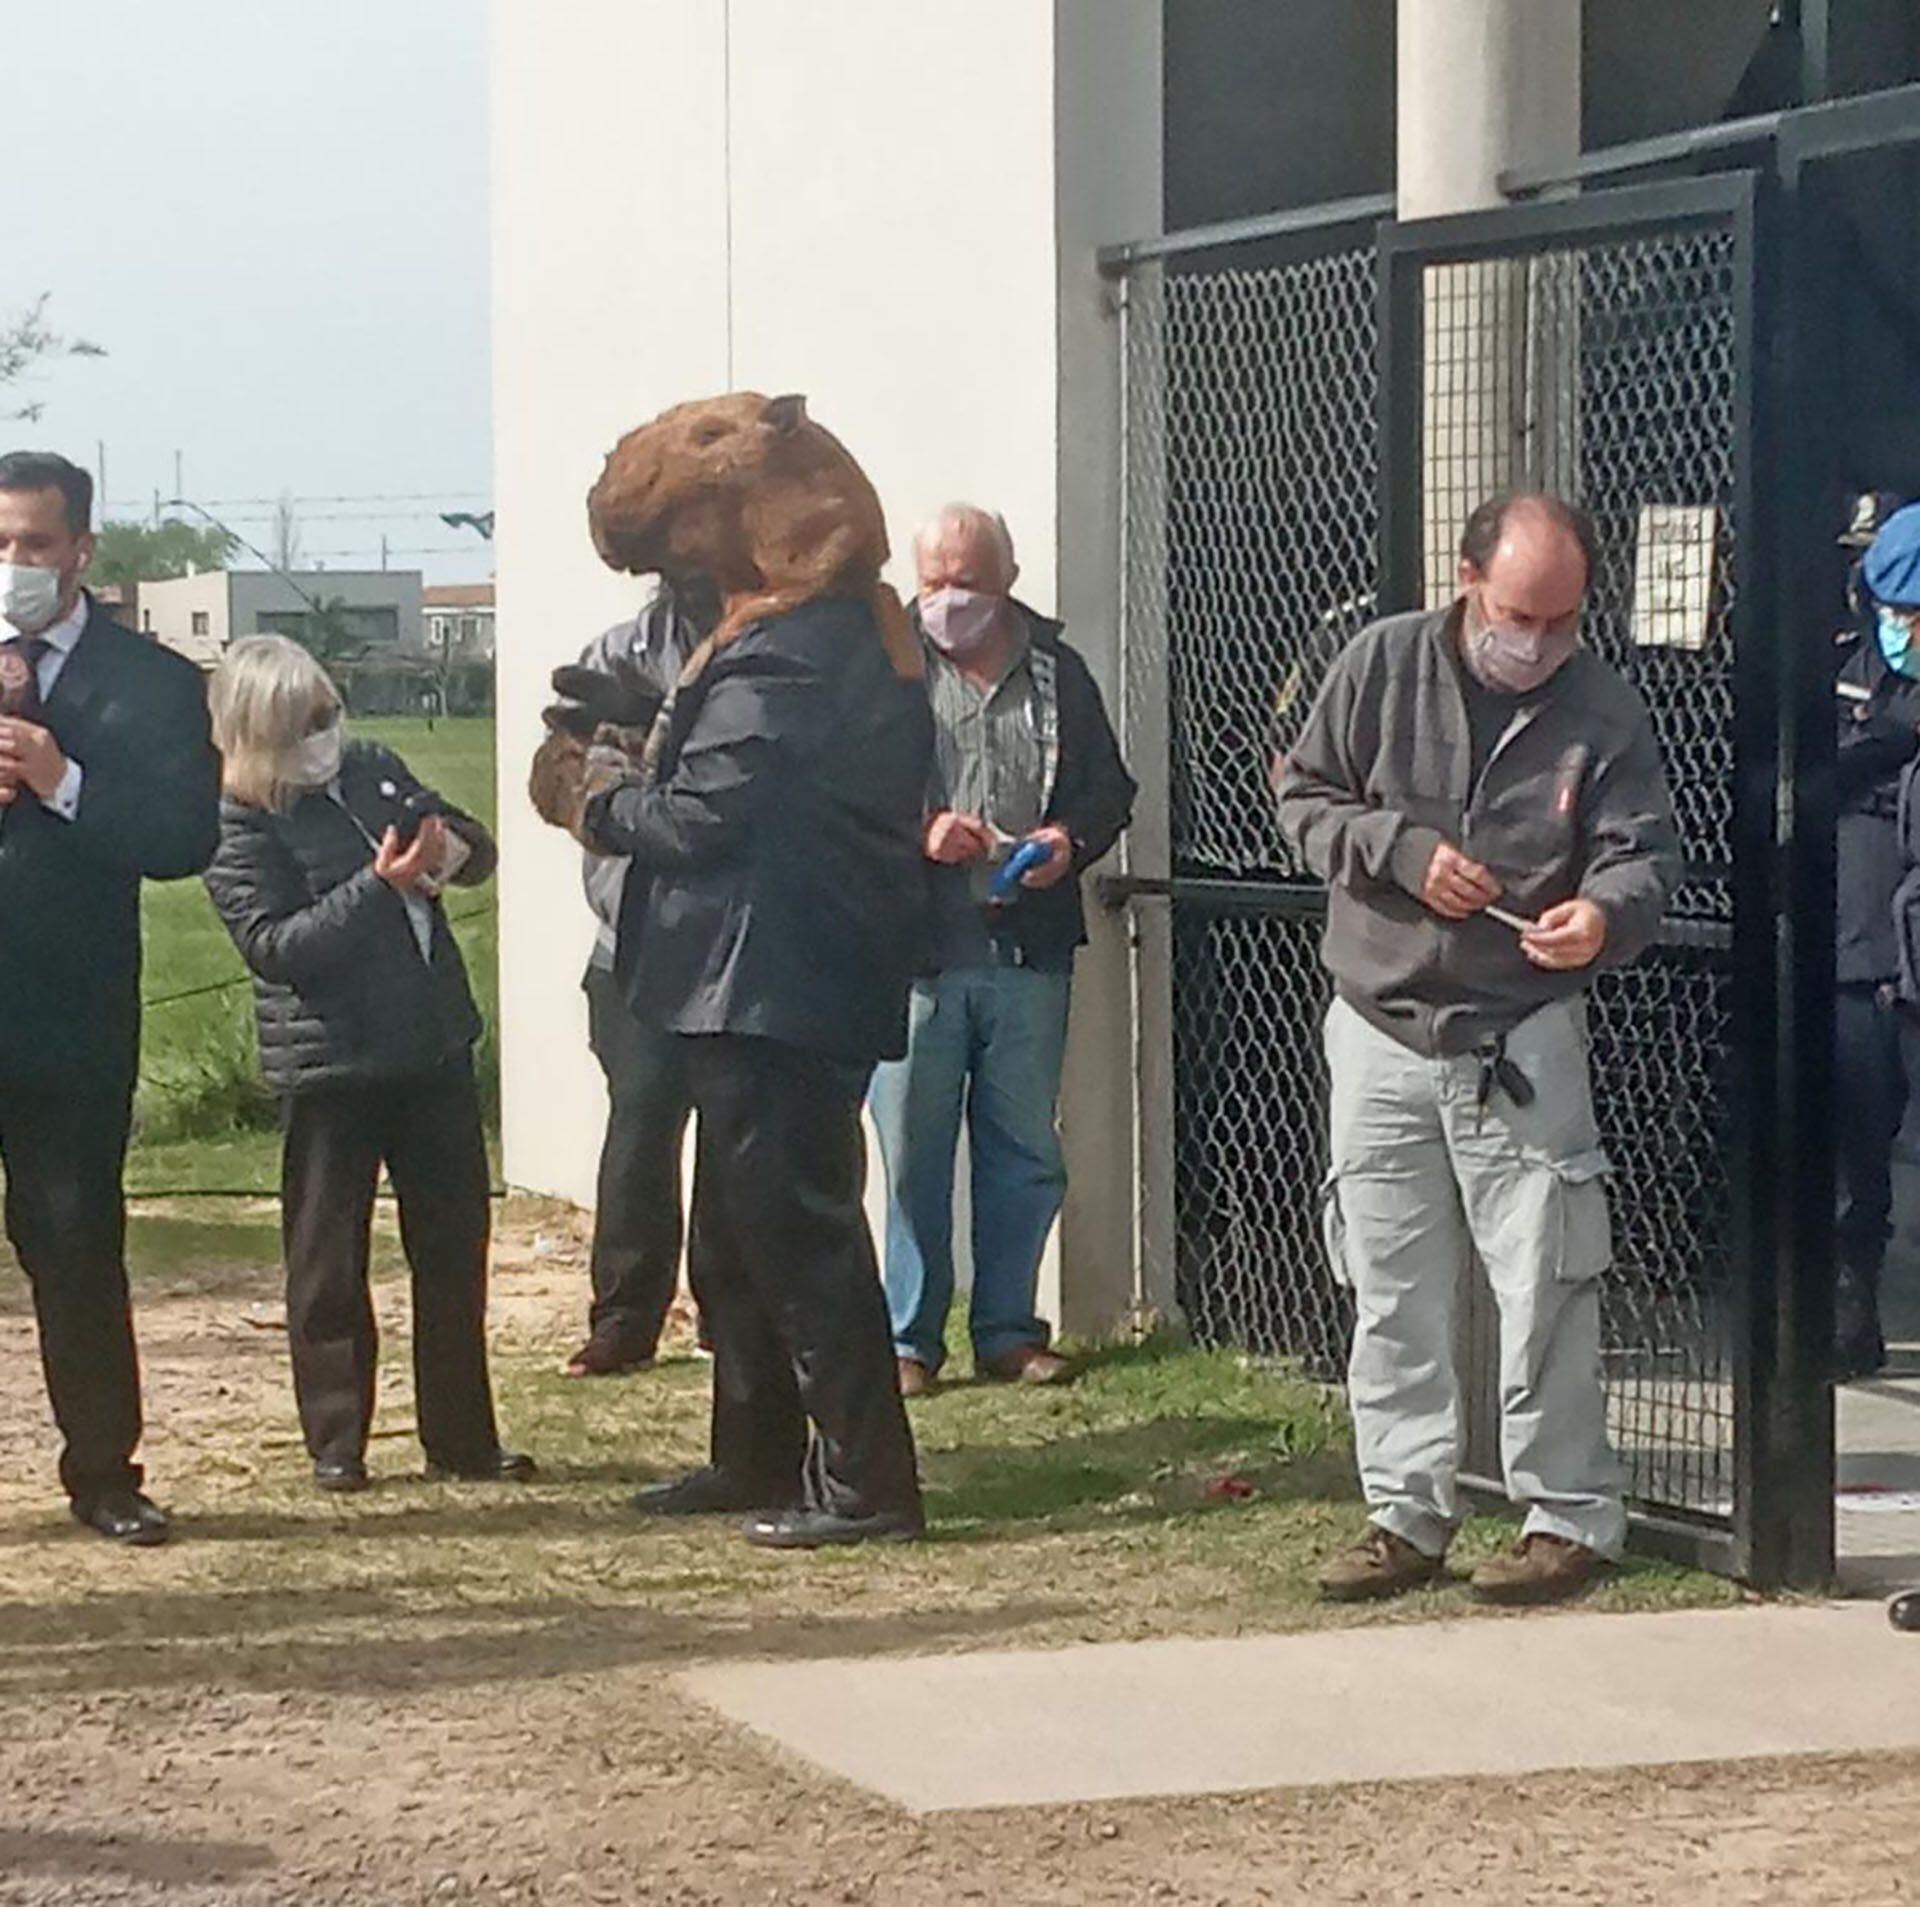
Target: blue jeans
x=987, y=1042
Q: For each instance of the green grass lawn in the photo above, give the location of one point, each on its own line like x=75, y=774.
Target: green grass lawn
x=1169, y=1491
x=202, y=1117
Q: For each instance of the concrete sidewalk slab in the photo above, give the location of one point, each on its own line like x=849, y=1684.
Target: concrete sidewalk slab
x=1878, y=1434
x=1480, y=1697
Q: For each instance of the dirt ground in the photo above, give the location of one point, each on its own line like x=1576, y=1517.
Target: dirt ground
x=461, y=1695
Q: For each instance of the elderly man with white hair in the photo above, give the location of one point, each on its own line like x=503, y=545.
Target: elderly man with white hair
x=1028, y=790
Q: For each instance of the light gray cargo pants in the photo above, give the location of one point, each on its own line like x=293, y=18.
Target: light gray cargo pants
x=1422, y=1176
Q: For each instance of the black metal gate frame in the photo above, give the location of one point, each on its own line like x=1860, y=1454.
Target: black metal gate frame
x=1784, y=1533
x=1781, y=1532
x=1722, y=1543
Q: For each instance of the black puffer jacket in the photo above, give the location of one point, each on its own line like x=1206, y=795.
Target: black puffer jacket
x=339, y=982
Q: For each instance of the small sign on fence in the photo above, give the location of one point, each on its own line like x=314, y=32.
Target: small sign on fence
x=1673, y=561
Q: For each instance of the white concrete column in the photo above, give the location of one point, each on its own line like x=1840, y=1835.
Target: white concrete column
x=1486, y=85
x=1107, y=187
x=1483, y=86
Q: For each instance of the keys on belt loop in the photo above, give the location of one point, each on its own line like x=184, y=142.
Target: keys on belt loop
x=1496, y=1069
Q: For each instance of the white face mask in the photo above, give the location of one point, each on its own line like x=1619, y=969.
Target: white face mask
x=958, y=622
x=1515, y=661
x=315, y=761
x=29, y=596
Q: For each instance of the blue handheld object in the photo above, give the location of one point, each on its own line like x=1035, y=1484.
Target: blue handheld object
x=1029, y=854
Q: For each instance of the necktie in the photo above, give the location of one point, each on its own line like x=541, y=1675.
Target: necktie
x=20, y=676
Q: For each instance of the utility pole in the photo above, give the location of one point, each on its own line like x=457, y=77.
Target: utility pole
x=179, y=485
x=383, y=552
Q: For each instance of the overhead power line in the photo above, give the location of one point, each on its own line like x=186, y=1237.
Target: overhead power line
x=394, y=549
x=240, y=503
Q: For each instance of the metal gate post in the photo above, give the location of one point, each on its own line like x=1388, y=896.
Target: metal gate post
x=1790, y=1535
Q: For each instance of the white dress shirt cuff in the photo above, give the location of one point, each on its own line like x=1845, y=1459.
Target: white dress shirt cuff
x=65, y=799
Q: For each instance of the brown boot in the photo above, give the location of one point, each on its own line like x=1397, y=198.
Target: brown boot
x=1381, y=1564
x=915, y=1379
x=1538, y=1568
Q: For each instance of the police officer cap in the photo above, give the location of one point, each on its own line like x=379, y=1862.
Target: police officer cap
x=1891, y=568
x=1866, y=514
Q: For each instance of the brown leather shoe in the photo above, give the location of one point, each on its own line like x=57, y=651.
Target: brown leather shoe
x=1030, y=1364
x=1381, y=1564
x=1539, y=1568
x=915, y=1379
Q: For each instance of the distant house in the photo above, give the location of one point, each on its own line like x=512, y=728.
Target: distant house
x=121, y=601
x=459, y=621
x=199, y=615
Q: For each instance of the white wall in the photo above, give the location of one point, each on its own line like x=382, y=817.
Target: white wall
x=167, y=610
x=893, y=246
x=609, y=303
x=862, y=202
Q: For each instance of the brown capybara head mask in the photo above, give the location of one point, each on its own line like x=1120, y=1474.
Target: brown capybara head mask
x=744, y=489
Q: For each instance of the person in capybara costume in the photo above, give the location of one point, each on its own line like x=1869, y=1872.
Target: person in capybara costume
x=773, y=918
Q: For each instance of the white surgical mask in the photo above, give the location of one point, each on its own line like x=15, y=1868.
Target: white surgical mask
x=29, y=596
x=958, y=622
x=1515, y=661
x=315, y=761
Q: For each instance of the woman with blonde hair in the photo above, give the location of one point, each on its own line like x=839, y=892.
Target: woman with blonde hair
x=331, y=862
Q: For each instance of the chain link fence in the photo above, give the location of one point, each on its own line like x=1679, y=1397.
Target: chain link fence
x=1607, y=370
x=1252, y=551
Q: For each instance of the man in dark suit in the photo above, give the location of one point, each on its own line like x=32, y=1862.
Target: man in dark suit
x=108, y=776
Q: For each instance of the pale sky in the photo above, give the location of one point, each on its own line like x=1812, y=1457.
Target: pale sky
x=273, y=214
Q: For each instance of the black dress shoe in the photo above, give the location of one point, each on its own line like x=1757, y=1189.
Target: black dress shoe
x=609, y=1354
x=341, y=1475
x=821, y=1529
x=124, y=1516
x=504, y=1466
x=703, y=1492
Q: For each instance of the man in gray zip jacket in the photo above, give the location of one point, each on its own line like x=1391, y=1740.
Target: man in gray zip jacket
x=1484, y=798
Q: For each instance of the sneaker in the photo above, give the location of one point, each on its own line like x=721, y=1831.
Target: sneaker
x=1381, y=1564
x=1539, y=1568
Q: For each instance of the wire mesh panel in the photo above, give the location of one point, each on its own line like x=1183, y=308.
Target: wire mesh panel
x=1607, y=372
x=1250, y=1086
x=1251, y=540
x=1606, y=367
x=1252, y=525
x=1660, y=1031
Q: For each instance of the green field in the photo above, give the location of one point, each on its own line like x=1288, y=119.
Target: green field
x=203, y=1122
